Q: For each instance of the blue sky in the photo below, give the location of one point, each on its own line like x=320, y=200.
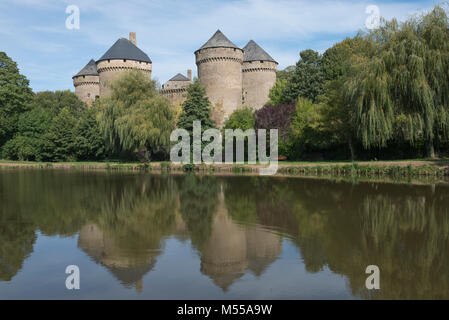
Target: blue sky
x=33, y=32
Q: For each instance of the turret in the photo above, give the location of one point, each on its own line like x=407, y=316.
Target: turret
x=219, y=64
x=259, y=75
x=123, y=56
x=87, y=83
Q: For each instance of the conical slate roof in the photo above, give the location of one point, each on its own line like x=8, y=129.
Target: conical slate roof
x=179, y=77
x=125, y=49
x=89, y=70
x=253, y=52
x=219, y=40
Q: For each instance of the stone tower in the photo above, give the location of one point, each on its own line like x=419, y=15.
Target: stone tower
x=175, y=89
x=258, y=75
x=87, y=83
x=123, y=56
x=219, y=63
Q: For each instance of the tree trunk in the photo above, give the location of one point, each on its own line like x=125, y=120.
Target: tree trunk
x=430, y=149
x=148, y=155
x=351, y=148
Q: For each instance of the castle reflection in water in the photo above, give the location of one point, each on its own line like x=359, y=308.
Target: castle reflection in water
x=236, y=226
x=229, y=251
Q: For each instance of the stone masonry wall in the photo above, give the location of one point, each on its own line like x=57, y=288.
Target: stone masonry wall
x=109, y=70
x=220, y=71
x=87, y=88
x=258, y=78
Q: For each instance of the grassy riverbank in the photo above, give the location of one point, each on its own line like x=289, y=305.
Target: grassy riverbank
x=368, y=169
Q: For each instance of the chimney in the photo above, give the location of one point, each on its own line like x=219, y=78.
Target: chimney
x=189, y=74
x=132, y=38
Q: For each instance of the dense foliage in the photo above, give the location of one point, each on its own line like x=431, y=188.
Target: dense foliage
x=307, y=79
x=197, y=107
x=275, y=117
x=15, y=96
x=136, y=118
x=382, y=94
x=402, y=86
x=57, y=127
x=242, y=118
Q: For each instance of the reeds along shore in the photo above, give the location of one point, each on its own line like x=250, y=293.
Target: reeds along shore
x=402, y=170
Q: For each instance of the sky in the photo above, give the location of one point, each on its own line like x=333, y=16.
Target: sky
x=34, y=33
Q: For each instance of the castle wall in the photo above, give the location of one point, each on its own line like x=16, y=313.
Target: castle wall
x=220, y=71
x=110, y=70
x=87, y=88
x=176, y=96
x=175, y=91
x=258, y=77
x=174, y=84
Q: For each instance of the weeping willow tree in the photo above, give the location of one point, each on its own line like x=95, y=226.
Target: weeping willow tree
x=403, y=87
x=135, y=117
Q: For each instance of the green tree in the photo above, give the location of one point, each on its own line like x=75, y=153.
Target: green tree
x=337, y=59
x=307, y=80
x=305, y=128
x=59, y=140
x=242, y=118
x=15, y=95
x=277, y=92
x=135, y=117
x=57, y=100
x=196, y=107
x=57, y=127
x=336, y=111
x=29, y=141
x=409, y=77
x=88, y=143
x=286, y=73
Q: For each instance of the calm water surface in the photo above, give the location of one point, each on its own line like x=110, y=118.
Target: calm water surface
x=239, y=237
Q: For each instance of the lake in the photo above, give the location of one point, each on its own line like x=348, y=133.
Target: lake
x=155, y=236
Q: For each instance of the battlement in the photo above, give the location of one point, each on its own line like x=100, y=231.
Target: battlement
x=230, y=74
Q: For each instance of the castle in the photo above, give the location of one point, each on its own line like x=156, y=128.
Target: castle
x=232, y=76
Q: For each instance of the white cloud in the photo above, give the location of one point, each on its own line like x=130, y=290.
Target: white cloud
x=174, y=29
x=171, y=30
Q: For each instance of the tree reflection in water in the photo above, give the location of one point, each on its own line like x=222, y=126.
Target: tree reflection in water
x=236, y=224
x=404, y=229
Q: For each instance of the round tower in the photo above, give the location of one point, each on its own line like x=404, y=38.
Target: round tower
x=219, y=63
x=123, y=56
x=87, y=83
x=258, y=75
